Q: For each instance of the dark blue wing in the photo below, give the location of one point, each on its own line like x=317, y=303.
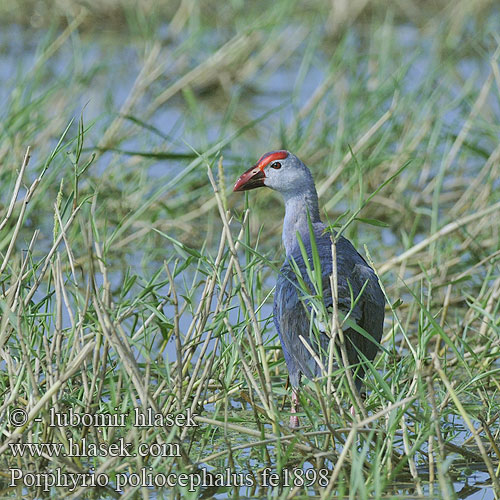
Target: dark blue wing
x=292, y=314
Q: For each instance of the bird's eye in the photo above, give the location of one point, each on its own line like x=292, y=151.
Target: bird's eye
x=276, y=165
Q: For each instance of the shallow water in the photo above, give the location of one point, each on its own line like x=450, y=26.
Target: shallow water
x=119, y=66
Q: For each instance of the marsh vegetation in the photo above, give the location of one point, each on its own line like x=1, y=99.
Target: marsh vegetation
x=132, y=280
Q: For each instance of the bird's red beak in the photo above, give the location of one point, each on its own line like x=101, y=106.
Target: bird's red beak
x=251, y=179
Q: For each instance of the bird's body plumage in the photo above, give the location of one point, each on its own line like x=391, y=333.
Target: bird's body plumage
x=292, y=320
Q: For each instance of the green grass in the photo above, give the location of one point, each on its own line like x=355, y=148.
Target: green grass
x=132, y=277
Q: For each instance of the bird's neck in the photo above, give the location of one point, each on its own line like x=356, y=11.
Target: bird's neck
x=297, y=207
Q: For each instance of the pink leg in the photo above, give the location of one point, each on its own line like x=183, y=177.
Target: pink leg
x=353, y=411
x=294, y=419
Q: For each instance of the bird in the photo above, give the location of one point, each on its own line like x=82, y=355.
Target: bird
x=359, y=295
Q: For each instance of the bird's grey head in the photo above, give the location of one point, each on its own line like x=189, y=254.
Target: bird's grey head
x=279, y=170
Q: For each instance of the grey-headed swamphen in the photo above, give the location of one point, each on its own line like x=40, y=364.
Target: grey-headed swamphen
x=356, y=281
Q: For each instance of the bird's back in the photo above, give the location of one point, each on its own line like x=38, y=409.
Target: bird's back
x=354, y=278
